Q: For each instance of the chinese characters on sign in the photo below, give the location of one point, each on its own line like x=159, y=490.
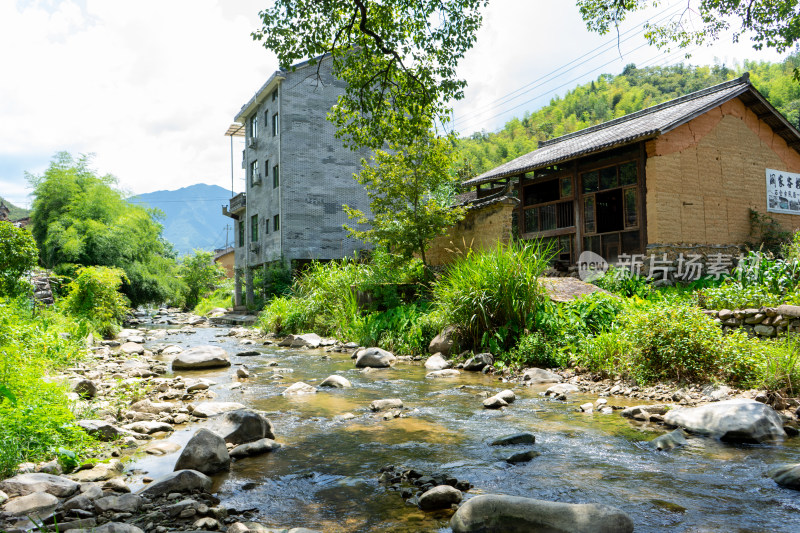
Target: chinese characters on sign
x=783, y=192
x=686, y=267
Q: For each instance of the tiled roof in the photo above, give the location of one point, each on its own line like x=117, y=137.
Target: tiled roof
x=643, y=124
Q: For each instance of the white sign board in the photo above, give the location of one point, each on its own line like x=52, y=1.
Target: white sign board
x=783, y=192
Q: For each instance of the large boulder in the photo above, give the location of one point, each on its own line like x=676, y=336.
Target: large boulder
x=242, y=425
x=255, y=448
x=24, y=484
x=437, y=362
x=443, y=342
x=388, y=403
x=669, y=441
x=154, y=408
x=534, y=376
x=516, y=438
x=180, y=481
x=494, y=513
x=100, y=429
x=787, y=476
x=477, y=363
x=299, y=388
x=35, y=505
x=336, y=382
x=201, y=357
x=205, y=452
x=446, y=373
x=374, y=358
x=207, y=409
x=441, y=497
x=738, y=420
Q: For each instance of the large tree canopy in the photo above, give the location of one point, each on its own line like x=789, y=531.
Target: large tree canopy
x=398, y=58
x=771, y=23
x=80, y=218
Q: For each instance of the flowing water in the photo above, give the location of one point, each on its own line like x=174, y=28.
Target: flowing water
x=326, y=474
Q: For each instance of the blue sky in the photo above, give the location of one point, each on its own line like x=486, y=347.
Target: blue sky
x=151, y=87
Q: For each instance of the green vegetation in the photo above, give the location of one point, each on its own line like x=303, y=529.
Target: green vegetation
x=771, y=24
x=35, y=416
x=407, y=187
x=201, y=275
x=18, y=254
x=222, y=296
x=80, y=219
x=611, y=97
x=94, y=299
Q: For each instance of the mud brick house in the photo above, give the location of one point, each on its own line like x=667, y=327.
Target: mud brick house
x=298, y=175
x=680, y=175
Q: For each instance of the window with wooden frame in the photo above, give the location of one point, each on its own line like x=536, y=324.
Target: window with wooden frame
x=548, y=205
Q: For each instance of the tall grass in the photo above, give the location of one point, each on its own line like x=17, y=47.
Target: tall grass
x=492, y=296
x=38, y=421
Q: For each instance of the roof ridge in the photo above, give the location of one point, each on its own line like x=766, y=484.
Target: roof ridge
x=743, y=79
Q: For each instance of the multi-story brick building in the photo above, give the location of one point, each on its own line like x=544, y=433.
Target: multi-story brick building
x=298, y=175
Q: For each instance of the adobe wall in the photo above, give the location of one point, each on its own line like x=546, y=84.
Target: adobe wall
x=703, y=177
x=482, y=228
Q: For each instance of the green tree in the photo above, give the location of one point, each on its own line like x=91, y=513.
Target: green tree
x=771, y=23
x=200, y=275
x=94, y=296
x=398, y=58
x=18, y=254
x=409, y=188
x=80, y=218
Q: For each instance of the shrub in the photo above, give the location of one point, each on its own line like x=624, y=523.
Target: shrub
x=405, y=329
x=673, y=341
x=533, y=349
x=18, y=254
x=609, y=354
x=623, y=283
x=733, y=295
x=201, y=275
x=492, y=297
x=221, y=297
x=763, y=270
x=94, y=297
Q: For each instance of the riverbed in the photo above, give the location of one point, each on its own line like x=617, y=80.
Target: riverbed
x=325, y=476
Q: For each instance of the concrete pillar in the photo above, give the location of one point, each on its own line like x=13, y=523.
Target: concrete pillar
x=237, y=287
x=248, y=282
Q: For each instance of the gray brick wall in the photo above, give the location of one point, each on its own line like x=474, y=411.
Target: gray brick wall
x=316, y=173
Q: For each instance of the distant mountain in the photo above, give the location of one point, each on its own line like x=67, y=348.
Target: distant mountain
x=194, y=216
x=15, y=213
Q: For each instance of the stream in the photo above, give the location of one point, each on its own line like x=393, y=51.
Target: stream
x=325, y=476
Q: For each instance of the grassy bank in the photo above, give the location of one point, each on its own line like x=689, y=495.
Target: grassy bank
x=494, y=300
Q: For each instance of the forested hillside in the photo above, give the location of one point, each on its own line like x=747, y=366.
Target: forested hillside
x=15, y=213
x=611, y=97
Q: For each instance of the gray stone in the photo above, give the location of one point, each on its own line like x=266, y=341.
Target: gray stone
x=437, y=362
x=200, y=357
x=507, y=396
x=516, y=438
x=787, y=476
x=24, y=484
x=162, y=447
x=249, y=353
x=539, y=375
x=99, y=472
x=308, y=340
x=36, y=504
x=205, y=452
x=522, y=457
x=374, y=358
x=561, y=389
x=242, y=425
x=495, y=402
x=299, y=388
x=124, y=503
x=445, y=373
x=3, y=497
x=100, y=429
x=738, y=420
x=207, y=409
x=669, y=441
x=474, y=364
x=765, y=331
x=154, y=408
x=647, y=410
x=85, y=388
x=383, y=405
x=255, y=448
x=242, y=373
x=148, y=427
x=493, y=513
x=443, y=342
x=441, y=497
x=131, y=348
x=337, y=382
x=111, y=527
x=180, y=481
x=790, y=311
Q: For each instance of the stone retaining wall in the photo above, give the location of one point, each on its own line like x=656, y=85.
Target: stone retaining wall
x=762, y=321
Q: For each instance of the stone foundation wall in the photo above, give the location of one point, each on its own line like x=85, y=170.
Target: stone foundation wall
x=762, y=321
